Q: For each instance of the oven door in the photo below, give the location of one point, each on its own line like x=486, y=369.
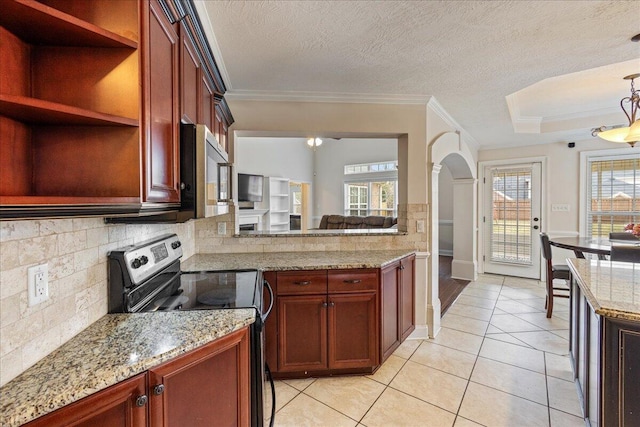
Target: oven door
x=155, y=294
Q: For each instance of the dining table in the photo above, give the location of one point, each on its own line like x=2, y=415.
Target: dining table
x=580, y=244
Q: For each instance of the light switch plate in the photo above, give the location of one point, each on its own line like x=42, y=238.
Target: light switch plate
x=222, y=228
x=559, y=208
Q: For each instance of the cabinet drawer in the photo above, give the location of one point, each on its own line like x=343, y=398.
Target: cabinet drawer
x=353, y=280
x=302, y=282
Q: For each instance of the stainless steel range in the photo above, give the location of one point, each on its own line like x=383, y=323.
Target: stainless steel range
x=146, y=277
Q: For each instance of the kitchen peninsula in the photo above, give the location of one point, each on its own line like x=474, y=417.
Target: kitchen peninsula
x=334, y=312
x=605, y=339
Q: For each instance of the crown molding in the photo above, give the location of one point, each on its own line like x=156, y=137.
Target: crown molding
x=347, y=98
x=558, y=122
x=201, y=8
x=444, y=115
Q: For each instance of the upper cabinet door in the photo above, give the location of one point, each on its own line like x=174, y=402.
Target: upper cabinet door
x=161, y=52
x=189, y=78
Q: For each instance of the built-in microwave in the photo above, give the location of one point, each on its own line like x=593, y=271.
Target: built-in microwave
x=205, y=173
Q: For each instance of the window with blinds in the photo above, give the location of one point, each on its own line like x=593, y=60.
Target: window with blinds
x=613, y=194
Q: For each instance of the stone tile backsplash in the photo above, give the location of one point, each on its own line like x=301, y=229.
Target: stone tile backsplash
x=76, y=252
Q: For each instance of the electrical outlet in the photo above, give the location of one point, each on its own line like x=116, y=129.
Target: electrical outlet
x=38, y=284
x=222, y=228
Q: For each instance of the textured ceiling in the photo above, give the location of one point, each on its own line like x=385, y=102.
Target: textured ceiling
x=469, y=55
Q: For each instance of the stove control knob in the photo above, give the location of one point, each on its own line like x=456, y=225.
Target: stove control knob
x=136, y=263
x=176, y=244
x=143, y=260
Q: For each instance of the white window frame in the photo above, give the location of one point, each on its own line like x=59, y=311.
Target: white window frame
x=369, y=177
x=585, y=158
x=348, y=208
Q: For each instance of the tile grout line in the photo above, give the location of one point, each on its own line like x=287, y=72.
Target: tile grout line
x=475, y=363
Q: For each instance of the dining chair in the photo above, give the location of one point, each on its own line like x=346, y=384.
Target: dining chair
x=626, y=253
x=558, y=271
x=621, y=236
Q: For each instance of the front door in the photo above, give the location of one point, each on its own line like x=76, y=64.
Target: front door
x=511, y=220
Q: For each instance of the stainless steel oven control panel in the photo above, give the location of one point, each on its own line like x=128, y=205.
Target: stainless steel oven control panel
x=143, y=261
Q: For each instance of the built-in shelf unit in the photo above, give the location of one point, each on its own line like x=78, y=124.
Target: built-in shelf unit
x=276, y=200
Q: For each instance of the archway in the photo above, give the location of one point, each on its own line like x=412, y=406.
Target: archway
x=449, y=150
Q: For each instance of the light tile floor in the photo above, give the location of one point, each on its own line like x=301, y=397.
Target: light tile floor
x=498, y=361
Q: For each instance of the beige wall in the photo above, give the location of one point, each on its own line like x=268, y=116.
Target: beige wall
x=76, y=252
x=407, y=122
x=343, y=119
x=562, y=177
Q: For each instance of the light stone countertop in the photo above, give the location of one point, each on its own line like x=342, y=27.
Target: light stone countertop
x=116, y=347
x=282, y=261
x=324, y=232
x=611, y=288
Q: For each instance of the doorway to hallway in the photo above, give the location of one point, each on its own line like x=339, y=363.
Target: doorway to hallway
x=449, y=288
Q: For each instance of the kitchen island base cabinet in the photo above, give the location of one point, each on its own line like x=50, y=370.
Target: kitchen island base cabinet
x=115, y=406
x=207, y=386
x=604, y=352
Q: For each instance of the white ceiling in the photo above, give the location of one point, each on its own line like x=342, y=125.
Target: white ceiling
x=550, y=70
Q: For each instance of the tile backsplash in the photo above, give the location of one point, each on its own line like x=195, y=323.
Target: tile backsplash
x=76, y=253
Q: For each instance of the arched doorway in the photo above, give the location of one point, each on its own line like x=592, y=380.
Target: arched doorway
x=449, y=150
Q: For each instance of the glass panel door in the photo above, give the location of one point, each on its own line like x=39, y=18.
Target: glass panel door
x=512, y=220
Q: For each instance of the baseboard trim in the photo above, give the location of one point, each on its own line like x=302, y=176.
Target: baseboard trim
x=421, y=332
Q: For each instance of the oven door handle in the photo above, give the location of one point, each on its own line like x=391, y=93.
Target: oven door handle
x=271, y=297
x=273, y=394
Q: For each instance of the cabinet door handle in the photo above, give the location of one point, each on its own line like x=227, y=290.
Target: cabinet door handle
x=158, y=390
x=303, y=283
x=332, y=304
x=142, y=400
x=352, y=281
x=401, y=267
x=324, y=304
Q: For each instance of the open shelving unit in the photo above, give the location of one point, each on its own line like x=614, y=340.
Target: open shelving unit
x=276, y=201
x=69, y=105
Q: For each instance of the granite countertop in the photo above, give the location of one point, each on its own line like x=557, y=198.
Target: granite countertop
x=116, y=347
x=281, y=261
x=323, y=232
x=611, y=288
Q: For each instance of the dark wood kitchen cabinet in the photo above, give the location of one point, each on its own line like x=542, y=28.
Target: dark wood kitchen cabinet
x=604, y=351
x=207, y=386
x=121, y=405
x=161, y=121
x=69, y=107
x=327, y=322
x=190, y=76
x=90, y=104
x=398, y=312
